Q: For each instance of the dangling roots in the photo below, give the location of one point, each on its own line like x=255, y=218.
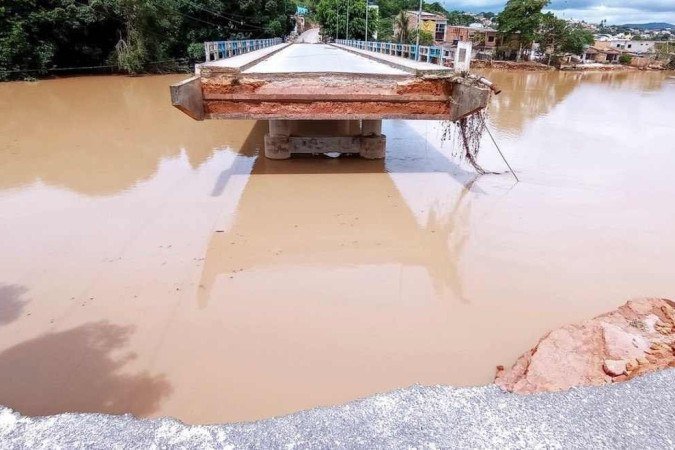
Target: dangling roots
x=470, y=130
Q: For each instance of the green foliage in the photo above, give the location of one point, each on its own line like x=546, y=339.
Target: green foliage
x=385, y=29
x=332, y=16
x=557, y=36
x=459, y=18
x=133, y=35
x=402, y=25
x=625, y=59
x=576, y=39
x=521, y=19
x=426, y=38
x=195, y=50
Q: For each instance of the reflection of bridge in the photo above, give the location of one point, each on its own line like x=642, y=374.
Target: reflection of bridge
x=353, y=89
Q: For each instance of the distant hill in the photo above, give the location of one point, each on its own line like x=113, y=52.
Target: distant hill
x=649, y=26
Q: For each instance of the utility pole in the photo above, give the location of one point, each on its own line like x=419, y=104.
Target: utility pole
x=347, y=30
x=419, y=20
x=367, y=24
x=337, y=21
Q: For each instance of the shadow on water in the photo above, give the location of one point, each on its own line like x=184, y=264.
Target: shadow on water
x=313, y=215
x=78, y=370
x=11, y=304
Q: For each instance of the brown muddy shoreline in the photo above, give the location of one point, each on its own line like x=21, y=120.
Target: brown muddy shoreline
x=530, y=66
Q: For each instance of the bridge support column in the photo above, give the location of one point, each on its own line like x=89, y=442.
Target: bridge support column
x=277, y=141
x=286, y=137
x=373, y=143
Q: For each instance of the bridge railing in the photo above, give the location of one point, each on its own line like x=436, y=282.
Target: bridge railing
x=431, y=54
x=216, y=50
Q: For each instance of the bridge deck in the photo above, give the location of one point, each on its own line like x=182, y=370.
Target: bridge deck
x=321, y=58
x=326, y=82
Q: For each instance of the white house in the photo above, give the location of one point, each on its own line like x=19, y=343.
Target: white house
x=635, y=47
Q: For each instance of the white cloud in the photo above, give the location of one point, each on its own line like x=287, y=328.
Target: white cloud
x=615, y=15
x=614, y=11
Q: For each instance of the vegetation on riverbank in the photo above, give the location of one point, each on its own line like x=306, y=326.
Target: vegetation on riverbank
x=133, y=36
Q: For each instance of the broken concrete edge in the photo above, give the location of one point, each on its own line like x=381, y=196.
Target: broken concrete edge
x=404, y=64
x=636, y=414
x=188, y=97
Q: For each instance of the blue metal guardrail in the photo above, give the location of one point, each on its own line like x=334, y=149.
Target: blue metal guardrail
x=430, y=54
x=216, y=50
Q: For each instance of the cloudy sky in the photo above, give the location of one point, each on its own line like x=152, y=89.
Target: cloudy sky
x=615, y=11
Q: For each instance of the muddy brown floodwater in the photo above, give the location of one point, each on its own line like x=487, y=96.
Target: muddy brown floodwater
x=156, y=265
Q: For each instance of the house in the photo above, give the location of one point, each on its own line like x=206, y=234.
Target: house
x=601, y=52
x=634, y=47
x=435, y=24
x=485, y=36
x=455, y=34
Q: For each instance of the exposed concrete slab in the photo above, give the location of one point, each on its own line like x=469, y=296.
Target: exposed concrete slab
x=637, y=414
x=320, y=58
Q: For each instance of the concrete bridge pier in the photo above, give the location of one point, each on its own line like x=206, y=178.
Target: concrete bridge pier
x=286, y=137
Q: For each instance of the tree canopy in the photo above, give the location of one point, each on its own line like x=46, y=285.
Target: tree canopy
x=558, y=36
x=332, y=15
x=520, y=20
x=132, y=35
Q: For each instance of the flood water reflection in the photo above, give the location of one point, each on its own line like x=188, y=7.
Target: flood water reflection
x=158, y=254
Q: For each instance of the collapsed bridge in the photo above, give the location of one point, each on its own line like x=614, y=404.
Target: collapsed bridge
x=349, y=90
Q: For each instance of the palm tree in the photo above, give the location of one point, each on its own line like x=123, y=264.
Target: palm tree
x=402, y=25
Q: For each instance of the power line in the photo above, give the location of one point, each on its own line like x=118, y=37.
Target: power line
x=83, y=2
x=222, y=16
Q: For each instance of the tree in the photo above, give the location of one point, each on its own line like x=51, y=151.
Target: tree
x=551, y=34
x=576, y=39
x=460, y=18
x=520, y=21
x=37, y=36
x=385, y=29
x=426, y=38
x=332, y=16
x=557, y=36
x=402, y=23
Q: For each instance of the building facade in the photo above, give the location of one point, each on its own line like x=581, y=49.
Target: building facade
x=434, y=24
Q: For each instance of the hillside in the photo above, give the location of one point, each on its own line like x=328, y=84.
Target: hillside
x=649, y=26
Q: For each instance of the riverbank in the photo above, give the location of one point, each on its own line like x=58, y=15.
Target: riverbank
x=532, y=66
x=617, y=416
x=635, y=339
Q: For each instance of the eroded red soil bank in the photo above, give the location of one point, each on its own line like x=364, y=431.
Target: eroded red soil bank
x=635, y=339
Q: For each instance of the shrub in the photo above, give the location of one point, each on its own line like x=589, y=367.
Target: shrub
x=625, y=59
